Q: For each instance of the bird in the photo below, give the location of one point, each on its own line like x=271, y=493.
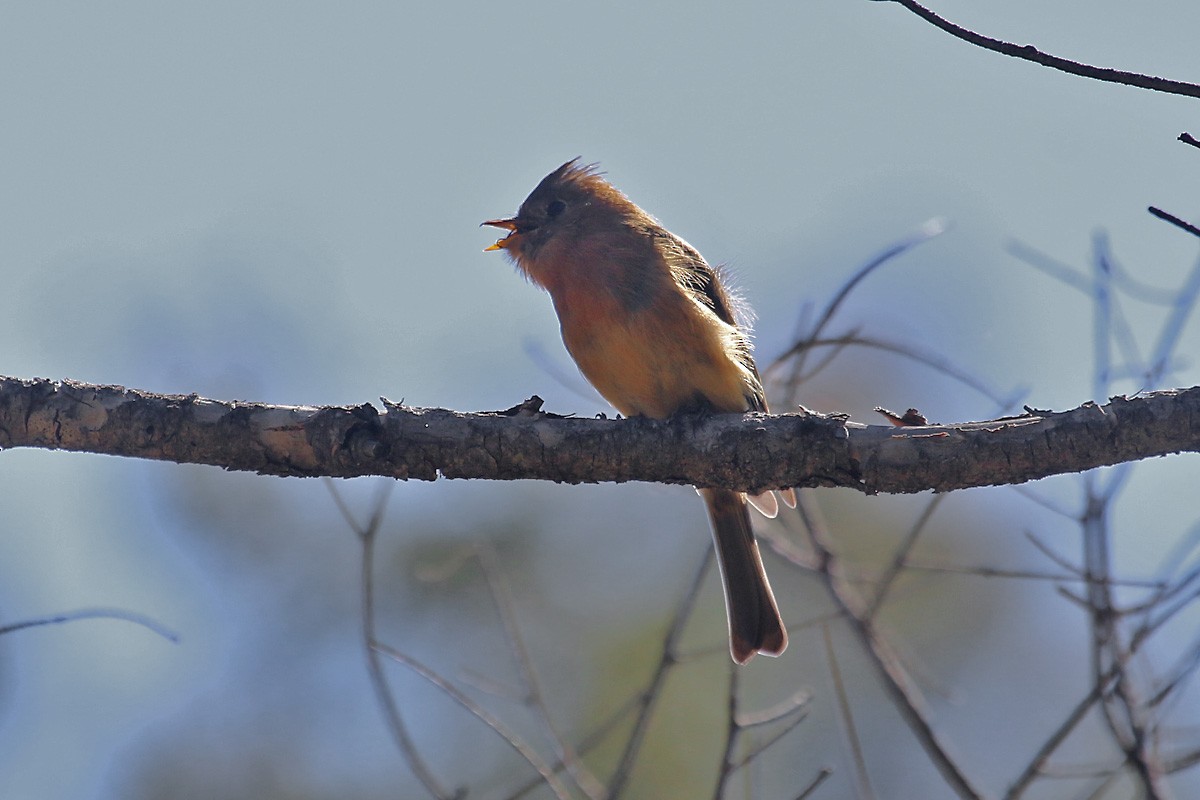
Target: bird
x=654, y=328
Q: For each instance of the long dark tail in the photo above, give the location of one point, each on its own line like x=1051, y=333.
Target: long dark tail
x=754, y=622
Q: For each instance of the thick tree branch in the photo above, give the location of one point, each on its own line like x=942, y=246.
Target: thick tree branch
x=749, y=452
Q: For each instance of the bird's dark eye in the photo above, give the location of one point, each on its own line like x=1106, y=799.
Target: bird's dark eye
x=554, y=208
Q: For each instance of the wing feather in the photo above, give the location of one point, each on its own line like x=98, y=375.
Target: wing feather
x=706, y=286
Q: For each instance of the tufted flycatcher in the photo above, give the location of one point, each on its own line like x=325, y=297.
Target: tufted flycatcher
x=651, y=326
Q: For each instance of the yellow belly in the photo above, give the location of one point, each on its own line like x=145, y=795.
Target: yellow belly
x=660, y=360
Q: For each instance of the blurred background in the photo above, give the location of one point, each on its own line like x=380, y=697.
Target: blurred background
x=280, y=202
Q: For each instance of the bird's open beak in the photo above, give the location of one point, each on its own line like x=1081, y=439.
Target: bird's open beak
x=509, y=225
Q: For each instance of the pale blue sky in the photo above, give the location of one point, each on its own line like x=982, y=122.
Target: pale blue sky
x=280, y=201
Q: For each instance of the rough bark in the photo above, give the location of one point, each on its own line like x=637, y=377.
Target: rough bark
x=746, y=452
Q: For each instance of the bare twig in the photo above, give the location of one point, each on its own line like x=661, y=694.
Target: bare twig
x=491, y=721
x=912, y=353
x=797, y=705
x=732, y=730
x=817, y=781
x=980, y=571
x=1128, y=715
x=900, y=558
x=846, y=715
x=502, y=596
x=895, y=682
x=1173, y=327
x=1128, y=283
x=752, y=753
x=653, y=691
x=1031, y=53
x=149, y=623
x=738, y=721
x=1177, y=676
x=590, y=741
x=1174, y=220
x=383, y=693
x=1058, y=559
x=1040, y=499
x=1120, y=331
x=930, y=229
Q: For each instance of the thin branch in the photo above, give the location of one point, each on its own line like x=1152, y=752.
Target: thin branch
x=121, y=614
x=930, y=229
x=589, y=742
x=383, y=693
x=911, y=352
x=1057, y=558
x=1039, y=499
x=502, y=597
x=846, y=715
x=797, y=704
x=1177, y=676
x=503, y=731
x=1164, y=615
x=1174, y=325
x=1180, y=553
x=1020, y=574
x=1128, y=717
x=1121, y=330
x=1068, y=275
x=1031, y=53
x=900, y=557
x=895, y=682
x=738, y=721
x=732, y=730
x=1060, y=734
x=1174, y=220
x=652, y=693
x=817, y=781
